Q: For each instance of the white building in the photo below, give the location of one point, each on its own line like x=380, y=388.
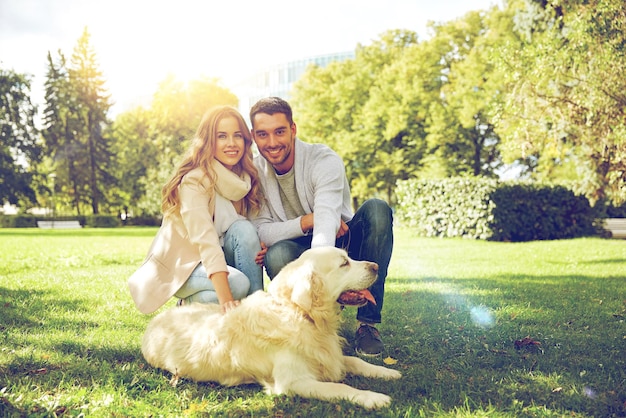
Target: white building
x=279, y=79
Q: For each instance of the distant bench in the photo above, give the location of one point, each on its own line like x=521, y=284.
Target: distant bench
x=58, y=224
x=616, y=226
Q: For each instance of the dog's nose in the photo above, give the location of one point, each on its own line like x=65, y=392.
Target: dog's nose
x=374, y=268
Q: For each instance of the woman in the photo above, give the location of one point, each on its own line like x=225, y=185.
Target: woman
x=204, y=230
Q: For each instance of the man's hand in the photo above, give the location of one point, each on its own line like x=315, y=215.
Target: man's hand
x=260, y=257
x=343, y=229
x=306, y=223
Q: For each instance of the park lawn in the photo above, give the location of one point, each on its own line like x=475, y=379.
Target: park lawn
x=477, y=329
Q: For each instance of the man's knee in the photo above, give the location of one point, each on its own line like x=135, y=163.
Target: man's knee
x=377, y=206
x=378, y=213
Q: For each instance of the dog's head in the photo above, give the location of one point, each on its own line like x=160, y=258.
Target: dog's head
x=324, y=277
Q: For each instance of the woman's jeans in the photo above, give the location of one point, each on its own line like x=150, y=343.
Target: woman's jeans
x=370, y=238
x=241, y=245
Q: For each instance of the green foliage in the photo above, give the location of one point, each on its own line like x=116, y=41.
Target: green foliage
x=132, y=136
x=18, y=221
x=149, y=142
x=461, y=134
x=536, y=84
x=482, y=208
x=350, y=106
x=404, y=107
x=610, y=210
x=518, y=85
x=103, y=221
x=564, y=95
x=93, y=221
x=20, y=148
x=118, y=167
x=527, y=212
x=616, y=211
x=74, y=118
x=143, y=221
x=454, y=207
x=30, y=221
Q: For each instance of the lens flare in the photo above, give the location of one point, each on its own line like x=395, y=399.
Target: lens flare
x=482, y=317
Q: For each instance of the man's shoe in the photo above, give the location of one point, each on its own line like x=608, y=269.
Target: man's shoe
x=368, y=342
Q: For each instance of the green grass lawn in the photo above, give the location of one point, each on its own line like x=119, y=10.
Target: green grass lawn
x=454, y=309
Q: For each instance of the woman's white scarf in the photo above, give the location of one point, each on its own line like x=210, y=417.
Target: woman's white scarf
x=229, y=188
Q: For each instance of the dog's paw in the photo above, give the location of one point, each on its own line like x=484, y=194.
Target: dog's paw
x=372, y=400
x=390, y=374
x=381, y=372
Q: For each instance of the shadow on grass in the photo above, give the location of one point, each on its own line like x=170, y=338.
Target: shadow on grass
x=427, y=327
x=34, y=308
x=448, y=349
x=36, y=323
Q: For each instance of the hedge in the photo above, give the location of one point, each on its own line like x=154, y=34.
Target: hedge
x=489, y=209
x=30, y=221
x=615, y=211
x=94, y=221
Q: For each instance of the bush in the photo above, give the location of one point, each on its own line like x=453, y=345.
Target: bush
x=103, y=221
x=94, y=221
x=481, y=208
x=613, y=211
x=18, y=221
x=448, y=208
x=527, y=212
x=142, y=221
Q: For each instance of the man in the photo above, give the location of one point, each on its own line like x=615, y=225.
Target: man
x=308, y=204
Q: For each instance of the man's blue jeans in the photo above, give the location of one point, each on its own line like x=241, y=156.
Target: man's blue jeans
x=370, y=238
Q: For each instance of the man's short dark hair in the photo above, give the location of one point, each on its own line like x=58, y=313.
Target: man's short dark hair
x=271, y=105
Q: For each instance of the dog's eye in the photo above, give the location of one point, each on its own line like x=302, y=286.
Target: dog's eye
x=345, y=263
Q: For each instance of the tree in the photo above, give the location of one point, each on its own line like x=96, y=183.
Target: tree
x=334, y=106
x=149, y=142
x=461, y=134
x=402, y=108
x=20, y=148
x=92, y=107
x=75, y=117
x=60, y=127
x=135, y=151
x=565, y=99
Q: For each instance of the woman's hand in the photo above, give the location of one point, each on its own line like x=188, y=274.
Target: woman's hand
x=224, y=296
x=230, y=305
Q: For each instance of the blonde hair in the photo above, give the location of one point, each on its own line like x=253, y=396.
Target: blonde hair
x=201, y=153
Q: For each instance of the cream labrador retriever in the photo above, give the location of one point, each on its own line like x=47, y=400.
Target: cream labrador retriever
x=284, y=339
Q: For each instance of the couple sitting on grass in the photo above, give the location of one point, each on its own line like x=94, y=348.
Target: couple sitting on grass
x=225, y=216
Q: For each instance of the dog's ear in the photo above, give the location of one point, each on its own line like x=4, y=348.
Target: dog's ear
x=297, y=282
x=302, y=292
x=281, y=286
x=306, y=287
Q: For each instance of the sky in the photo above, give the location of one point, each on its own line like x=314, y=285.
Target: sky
x=138, y=43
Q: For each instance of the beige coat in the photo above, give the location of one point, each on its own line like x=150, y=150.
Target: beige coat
x=189, y=237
